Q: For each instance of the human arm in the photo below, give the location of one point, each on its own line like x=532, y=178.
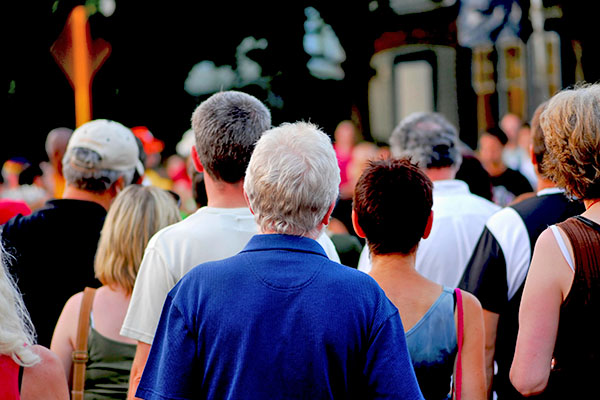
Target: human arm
x=137, y=368
x=547, y=285
x=45, y=380
x=473, y=360
x=490, y=323
x=63, y=339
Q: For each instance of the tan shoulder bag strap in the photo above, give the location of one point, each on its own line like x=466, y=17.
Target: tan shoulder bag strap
x=80, y=354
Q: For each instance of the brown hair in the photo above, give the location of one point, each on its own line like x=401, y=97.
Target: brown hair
x=392, y=201
x=137, y=213
x=571, y=125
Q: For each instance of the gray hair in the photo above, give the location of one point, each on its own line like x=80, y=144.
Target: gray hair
x=428, y=139
x=227, y=126
x=16, y=330
x=292, y=179
x=80, y=169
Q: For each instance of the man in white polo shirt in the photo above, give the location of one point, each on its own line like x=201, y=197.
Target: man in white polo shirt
x=227, y=126
x=459, y=216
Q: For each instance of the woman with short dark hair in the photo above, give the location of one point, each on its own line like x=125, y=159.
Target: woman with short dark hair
x=392, y=209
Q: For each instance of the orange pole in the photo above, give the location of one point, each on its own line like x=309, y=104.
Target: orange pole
x=81, y=65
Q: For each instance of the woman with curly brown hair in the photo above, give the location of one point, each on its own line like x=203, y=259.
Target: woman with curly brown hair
x=558, y=351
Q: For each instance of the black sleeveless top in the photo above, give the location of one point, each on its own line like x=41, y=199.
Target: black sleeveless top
x=576, y=366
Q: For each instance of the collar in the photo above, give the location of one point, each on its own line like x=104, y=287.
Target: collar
x=273, y=241
x=450, y=186
x=547, y=191
x=75, y=203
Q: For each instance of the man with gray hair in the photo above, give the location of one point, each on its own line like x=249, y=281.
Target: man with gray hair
x=54, y=247
x=459, y=216
x=227, y=126
x=279, y=319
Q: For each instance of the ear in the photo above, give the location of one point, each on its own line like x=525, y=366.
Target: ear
x=196, y=160
x=359, y=231
x=428, y=226
x=532, y=156
x=325, y=220
x=247, y=201
x=116, y=187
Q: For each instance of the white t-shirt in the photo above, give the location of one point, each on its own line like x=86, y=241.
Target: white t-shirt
x=209, y=234
x=458, y=220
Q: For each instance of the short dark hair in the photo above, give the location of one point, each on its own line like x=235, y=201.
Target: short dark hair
x=392, y=200
x=498, y=133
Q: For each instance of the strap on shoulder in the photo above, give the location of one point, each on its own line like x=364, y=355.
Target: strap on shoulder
x=459, y=340
x=80, y=354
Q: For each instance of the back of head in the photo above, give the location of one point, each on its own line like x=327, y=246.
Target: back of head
x=137, y=213
x=392, y=201
x=537, y=139
x=56, y=144
x=292, y=179
x=16, y=330
x=98, y=154
x=571, y=125
x=428, y=139
x=227, y=126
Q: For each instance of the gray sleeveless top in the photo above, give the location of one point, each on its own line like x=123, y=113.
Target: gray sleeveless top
x=432, y=346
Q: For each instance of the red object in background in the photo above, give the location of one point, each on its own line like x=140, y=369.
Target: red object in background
x=151, y=144
x=9, y=208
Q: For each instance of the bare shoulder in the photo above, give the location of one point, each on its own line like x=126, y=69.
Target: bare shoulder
x=469, y=300
x=74, y=303
x=46, y=379
x=471, y=306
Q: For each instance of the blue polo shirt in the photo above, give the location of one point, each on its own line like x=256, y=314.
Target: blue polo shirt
x=278, y=320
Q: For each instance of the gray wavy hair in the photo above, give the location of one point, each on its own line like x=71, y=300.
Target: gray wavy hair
x=80, y=169
x=292, y=179
x=428, y=139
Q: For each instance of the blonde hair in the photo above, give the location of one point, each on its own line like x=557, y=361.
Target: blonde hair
x=571, y=126
x=17, y=334
x=137, y=213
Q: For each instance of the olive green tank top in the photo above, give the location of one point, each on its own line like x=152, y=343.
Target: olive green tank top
x=108, y=367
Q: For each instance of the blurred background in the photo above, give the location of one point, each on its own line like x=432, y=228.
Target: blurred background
x=371, y=62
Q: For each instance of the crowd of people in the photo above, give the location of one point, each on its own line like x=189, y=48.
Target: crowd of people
x=282, y=262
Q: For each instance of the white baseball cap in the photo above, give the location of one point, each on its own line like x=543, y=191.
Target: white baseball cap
x=114, y=142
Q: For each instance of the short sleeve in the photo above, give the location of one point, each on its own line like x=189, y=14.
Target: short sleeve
x=153, y=282
x=485, y=274
x=170, y=370
x=388, y=366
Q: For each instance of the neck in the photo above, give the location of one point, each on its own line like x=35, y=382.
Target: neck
x=73, y=193
x=544, y=183
x=224, y=195
x=391, y=264
x=589, y=203
x=440, y=174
